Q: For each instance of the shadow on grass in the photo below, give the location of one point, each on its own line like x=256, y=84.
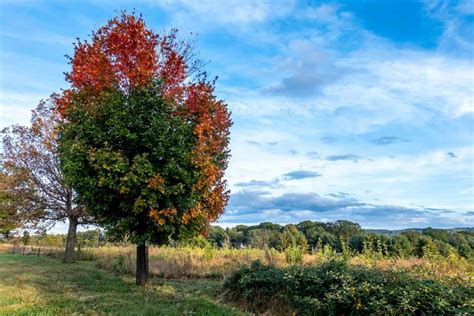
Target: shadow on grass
x=31, y=285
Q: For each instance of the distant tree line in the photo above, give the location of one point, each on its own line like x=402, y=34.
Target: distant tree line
x=344, y=235
x=308, y=236
x=89, y=238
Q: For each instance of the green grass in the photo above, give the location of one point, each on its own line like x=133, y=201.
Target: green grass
x=31, y=285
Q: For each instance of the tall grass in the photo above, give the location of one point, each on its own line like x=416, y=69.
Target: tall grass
x=188, y=262
x=181, y=262
x=212, y=263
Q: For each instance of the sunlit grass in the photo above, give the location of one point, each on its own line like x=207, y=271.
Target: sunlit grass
x=187, y=262
x=212, y=263
x=31, y=285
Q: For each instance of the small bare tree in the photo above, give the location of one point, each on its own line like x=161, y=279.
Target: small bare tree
x=39, y=195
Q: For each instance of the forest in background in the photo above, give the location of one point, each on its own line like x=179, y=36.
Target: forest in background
x=304, y=237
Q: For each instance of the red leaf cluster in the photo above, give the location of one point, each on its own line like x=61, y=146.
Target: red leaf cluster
x=121, y=53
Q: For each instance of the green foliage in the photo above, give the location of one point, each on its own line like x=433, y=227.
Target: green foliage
x=26, y=238
x=259, y=284
x=52, y=240
x=439, y=234
x=261, y=238
x=356, y=243
x=8, y=218
x=197, y=242
x=218, y=237
x=325, y=252
x=347, y=238
x=294, y=254
x=430, y=251
x=344, y=229
x=315, y=232
x=90, y=238
x=401, y=246
x=130, y=158
x=346, y=252
x=291, y=237
x=334, y=288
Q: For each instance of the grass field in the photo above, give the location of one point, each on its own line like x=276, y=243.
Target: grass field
x=189, y=281
x=31, y=285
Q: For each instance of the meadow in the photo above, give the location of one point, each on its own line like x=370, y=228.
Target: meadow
x=188, y=262
x=196, y=280
x=31, y=285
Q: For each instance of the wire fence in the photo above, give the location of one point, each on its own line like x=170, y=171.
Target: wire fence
x=30, y=250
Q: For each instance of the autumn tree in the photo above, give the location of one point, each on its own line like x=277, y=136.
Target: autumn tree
x=145, y=142
x=34, y=192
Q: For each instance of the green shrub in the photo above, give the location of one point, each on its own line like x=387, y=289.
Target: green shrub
x=257, y=284
x=333, y=288
x=294, y=254
x=197, y=242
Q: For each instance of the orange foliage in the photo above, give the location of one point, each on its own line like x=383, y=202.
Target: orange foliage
x=163, y=215
x=157, y=183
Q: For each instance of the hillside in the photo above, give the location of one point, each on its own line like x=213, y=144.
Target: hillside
x=393, y=232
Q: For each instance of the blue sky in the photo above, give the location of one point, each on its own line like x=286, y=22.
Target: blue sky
x=358, y=110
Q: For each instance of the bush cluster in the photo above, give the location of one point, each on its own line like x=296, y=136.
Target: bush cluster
x=334, y=288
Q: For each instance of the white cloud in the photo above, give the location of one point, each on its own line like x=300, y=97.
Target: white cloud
x=431, y=178
x=326, y=13
x=457, y=33
x=233, y=11
x=16, y=107
x=367, y=88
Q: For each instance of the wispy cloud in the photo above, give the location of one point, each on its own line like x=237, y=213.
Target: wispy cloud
x=350, y=157
x=300, y=174
x=236, y=13
x=451, y=155
x=257, y=183
x=388, y=140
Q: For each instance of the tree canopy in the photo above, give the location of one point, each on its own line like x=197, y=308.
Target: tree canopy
x=145, y=140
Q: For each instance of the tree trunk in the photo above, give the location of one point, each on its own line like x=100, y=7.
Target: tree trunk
x=147, y=264
x=69, y=255
x=142, y=265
